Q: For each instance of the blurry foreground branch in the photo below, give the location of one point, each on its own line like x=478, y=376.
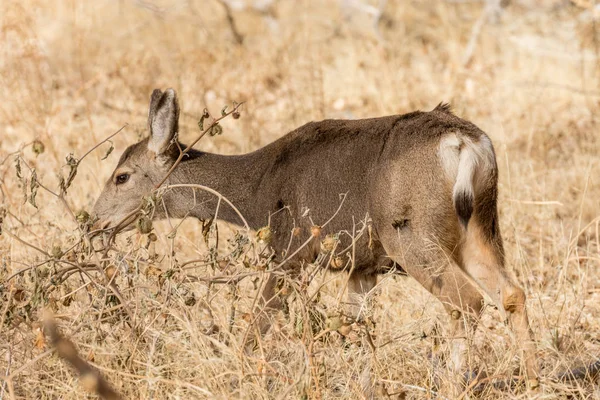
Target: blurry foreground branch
x=90, y=377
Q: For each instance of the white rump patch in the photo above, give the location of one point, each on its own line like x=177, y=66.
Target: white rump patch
x=450, y=155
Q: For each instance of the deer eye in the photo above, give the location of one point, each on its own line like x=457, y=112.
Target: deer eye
x=121, y=179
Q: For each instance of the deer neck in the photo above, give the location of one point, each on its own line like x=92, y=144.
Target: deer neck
x=237, y=178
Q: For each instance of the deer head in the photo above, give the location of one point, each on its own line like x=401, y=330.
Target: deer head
x=143, y=165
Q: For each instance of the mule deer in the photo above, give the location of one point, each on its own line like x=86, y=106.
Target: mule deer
x=426, y=180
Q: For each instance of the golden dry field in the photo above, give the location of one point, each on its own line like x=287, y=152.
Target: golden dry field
x=166, y=319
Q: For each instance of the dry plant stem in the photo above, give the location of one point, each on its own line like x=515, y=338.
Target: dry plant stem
x=187, y=264
x=27, y=244
x=101, y=143
x=50, y=259
x=286, y=259
x=23, y=224
x=487, y=379
x=174, y=383
x=314, y=369
x=239, y=39
x=9, y=155
x=26, y=365
x=4, y=311
x=286, y=393
x=222, y=279
x=582, y=231
x=232, y=312
x=66, y=272
x=475, y=32
x=67, y=351
x=5, y=383
x=57, y=195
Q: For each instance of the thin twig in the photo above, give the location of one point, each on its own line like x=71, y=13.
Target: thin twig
x=239, y=39
x=101, y=143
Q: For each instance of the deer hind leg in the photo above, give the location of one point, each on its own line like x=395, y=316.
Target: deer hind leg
x=461, y=300
x=484, y=263
x=438, y=272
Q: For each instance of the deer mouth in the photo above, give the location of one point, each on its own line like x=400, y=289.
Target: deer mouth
x=104, y=225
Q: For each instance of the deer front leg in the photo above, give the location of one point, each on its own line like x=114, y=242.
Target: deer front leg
x=485, y=264
x=268, y=305
x=359, y=285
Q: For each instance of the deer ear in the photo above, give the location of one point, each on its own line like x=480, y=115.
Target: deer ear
x=154, y=98
x=163, y=120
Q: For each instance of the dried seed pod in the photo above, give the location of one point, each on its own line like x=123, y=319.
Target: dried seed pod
x=215, y=130
x=111, y=271
x=19, y=295
x=329, y=243
x=455, y=314
x=82, y=216
x=336, y=262
x=345, y=329
x=334, y=323
x=110, y=150
x=205, y=115
x=144, y=225
x=190, y=300
x=38, y=147
x=264, y=234
x=235, y=114
x=153, y=271
x=315, y=230
x=33, y=187
x=56, y=251
x=296, y=231
x=285, y=290
x=2, y=216
x=247, y=317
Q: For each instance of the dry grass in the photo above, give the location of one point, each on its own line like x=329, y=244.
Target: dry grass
x=73, y=72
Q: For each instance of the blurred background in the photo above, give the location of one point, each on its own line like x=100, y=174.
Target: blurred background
x=525, y=71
